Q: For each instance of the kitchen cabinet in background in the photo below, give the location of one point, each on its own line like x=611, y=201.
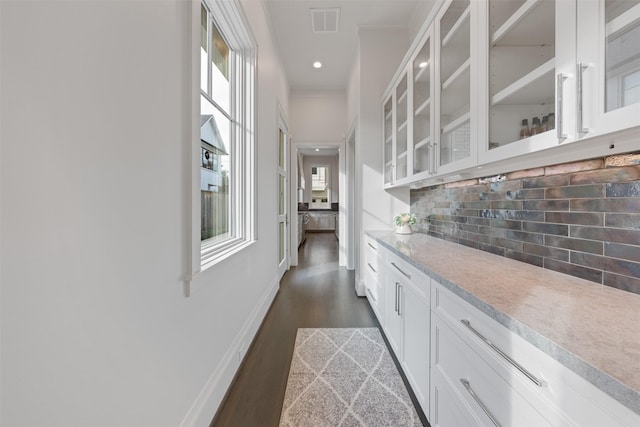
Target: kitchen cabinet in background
x=321, y=221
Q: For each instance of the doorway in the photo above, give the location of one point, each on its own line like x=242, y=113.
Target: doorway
x=283, y=199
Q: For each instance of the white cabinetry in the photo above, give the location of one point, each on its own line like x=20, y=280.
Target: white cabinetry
x=573, y=66
x=321, y=221
x=529, y=49
x=409, y=144
x=455, y=26
x=407, y=321
x=498, y=378
x=608, y=66
x=374, y=279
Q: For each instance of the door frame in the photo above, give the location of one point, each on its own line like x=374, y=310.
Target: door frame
x=285, y=263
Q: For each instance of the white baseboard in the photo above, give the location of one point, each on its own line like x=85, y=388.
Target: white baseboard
x=361, y=289
x=211, y=395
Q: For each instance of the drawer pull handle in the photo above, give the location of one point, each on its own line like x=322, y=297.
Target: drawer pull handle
x=371, y=267
x=372, y=247
x=480, y=403
x=515, y=364
x=408, y=276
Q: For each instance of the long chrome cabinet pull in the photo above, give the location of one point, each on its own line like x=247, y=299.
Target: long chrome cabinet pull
x=408, y=276
x=480, y=403
x=579, y=83
x=559, y=107
x=372, y=247
x=515, y=364
x=371, y=267
x=399, y=299
x=397, y=284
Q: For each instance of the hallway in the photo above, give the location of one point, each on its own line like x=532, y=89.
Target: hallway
x=317, y=293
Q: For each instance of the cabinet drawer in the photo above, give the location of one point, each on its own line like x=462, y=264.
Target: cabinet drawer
x=564, y=398
x=420, y=281
x=447, y=407
x=491, y=398
x=372, y=256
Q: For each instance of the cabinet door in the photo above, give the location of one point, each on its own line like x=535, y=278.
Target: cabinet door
x=530, y=59
x=387, y=113
x=401, y=153
x=457, y=143
x=608, y=66
x=422, y=106
x=394, y=310
x=417, y=330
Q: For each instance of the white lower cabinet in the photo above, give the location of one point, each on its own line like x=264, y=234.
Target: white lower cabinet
x=505, y=380
x=374, y=278
x=490, y=398
x=466, y=369
x=407, y=320
x=416, y=344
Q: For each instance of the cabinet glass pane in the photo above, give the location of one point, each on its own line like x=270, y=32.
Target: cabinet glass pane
x=622, y=69
x=521, y=70
x=388, y=141
x=455, y=82
x=401, y=130
x=421, y=109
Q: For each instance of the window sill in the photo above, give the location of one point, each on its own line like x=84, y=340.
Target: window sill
x=212, y=260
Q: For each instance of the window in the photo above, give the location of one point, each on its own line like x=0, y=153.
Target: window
x=225, y=90
x=320, y=191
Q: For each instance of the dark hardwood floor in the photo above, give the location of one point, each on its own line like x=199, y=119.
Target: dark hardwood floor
x=315, y=294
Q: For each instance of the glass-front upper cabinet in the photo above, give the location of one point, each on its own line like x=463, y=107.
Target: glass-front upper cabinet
x=529, y=47
x=387, y=114
x=457, y=144
x=422, y=105
x=401, y=130
x=608, y=66
x=521, y=66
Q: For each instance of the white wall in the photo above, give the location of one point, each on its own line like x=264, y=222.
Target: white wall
x=380, y=53
x=95, y=327
x=334, y=172
x=318, y=116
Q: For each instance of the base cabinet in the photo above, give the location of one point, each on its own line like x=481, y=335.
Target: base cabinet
x=407, y=322
x=416, y=344
x=374, y=279
x=467, y=369
x=503, y=379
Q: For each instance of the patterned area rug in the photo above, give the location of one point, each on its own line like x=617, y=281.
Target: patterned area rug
x=345, y=377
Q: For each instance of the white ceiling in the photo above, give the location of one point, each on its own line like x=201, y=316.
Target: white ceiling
x=299, y=47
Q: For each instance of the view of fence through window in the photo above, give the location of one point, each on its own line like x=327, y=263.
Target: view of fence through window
x=215, y=132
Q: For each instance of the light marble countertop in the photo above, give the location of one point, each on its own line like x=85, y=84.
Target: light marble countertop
x=592, y=329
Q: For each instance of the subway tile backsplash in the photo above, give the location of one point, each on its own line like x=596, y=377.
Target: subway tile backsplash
x=581, y=219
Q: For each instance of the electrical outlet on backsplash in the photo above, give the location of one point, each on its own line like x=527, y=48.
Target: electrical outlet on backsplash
x=581, y=218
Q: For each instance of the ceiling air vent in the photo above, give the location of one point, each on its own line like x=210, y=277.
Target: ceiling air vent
x=325, y=20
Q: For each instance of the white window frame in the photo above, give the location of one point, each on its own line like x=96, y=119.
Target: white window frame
x=233, y=26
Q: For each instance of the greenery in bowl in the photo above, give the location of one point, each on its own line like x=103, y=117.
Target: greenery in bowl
x=404, y=218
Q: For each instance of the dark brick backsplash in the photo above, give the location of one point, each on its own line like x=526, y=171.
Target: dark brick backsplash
x=581, y=219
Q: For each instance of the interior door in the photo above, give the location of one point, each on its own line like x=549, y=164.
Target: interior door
x=283, y=202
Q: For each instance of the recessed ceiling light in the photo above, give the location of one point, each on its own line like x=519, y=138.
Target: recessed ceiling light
x=317, y=149
x=317, y=64
x=423, y=64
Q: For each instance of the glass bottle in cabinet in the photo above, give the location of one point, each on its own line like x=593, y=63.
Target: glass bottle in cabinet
x=454, y=79
x=522, y=71
x=423, y=152
x=401, y=153
x=608, y=66
x=388, y=141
